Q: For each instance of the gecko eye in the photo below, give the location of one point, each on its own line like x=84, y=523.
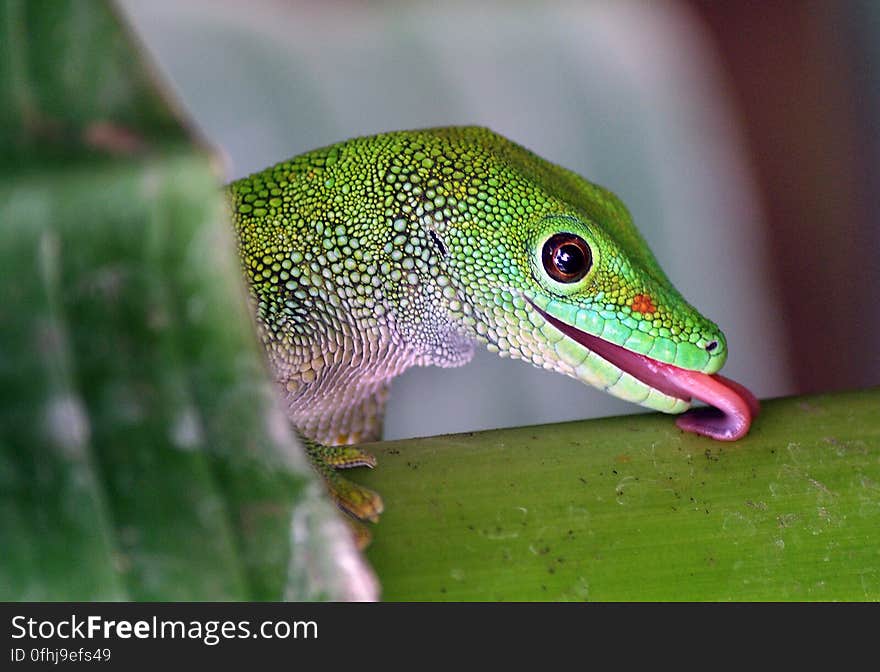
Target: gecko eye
x=566, y=257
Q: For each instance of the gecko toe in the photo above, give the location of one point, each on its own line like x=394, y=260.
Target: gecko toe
x=361, y=502
x=347, y=457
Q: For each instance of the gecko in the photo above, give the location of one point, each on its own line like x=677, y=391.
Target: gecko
x=408, y=248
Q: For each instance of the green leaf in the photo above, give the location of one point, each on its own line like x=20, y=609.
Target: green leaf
x=630, y=508
x=143, y=451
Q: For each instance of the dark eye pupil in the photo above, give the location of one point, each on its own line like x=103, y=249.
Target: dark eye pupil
x=569, y=259
x=566, y=257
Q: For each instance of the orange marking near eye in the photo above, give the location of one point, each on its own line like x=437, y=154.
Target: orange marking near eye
x=642, y=303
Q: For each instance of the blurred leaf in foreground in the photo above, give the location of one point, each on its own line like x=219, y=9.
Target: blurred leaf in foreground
x=143, y=454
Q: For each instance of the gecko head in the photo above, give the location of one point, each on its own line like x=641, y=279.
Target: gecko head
x=605, y=315
x=587, y=298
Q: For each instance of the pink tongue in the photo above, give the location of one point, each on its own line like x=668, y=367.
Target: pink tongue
x=731, y=406
x=734, y=406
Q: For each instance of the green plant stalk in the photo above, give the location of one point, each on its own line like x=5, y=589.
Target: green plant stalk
x=630, y=508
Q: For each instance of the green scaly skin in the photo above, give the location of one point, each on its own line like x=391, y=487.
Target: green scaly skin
x=401, y=249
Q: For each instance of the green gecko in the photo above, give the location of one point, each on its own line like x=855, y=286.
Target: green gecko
x=405, y=249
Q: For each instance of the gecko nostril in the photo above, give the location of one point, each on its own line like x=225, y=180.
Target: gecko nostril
x=711, y=345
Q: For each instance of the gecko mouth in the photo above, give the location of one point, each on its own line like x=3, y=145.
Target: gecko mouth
x=731, y=406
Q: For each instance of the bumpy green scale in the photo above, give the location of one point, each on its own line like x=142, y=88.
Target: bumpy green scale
x=380, y=253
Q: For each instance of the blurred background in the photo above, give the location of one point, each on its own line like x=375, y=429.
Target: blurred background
x=742, y=136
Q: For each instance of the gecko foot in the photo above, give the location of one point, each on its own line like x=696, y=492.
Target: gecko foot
x=360, y=502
